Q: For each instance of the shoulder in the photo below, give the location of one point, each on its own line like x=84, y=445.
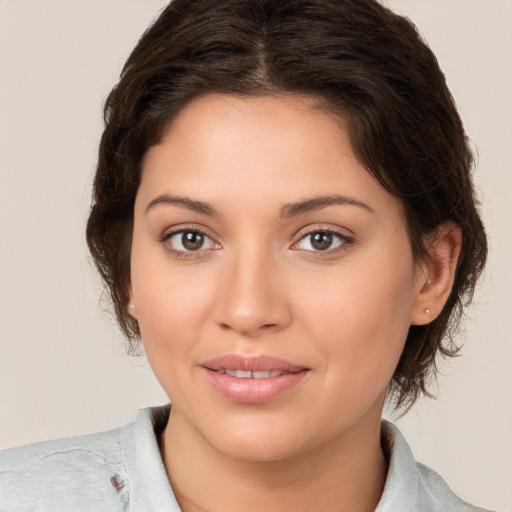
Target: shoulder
x=104, y=472
x=68, y=473
x=411, y=486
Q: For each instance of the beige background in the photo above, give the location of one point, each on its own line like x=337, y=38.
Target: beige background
x=62, y=365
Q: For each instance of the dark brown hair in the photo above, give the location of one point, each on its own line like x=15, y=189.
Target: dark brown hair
x=365, y=63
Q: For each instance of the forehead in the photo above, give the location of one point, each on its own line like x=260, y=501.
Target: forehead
x=257, y=150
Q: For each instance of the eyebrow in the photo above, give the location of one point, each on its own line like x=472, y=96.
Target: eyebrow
x=185, y=202
x=288, y=210
x=317, y=203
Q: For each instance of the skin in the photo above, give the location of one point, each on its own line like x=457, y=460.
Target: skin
x=258, y=286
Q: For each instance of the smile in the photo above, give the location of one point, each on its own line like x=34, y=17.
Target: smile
x=253, y=380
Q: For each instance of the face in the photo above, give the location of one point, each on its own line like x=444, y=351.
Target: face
x=272, y=276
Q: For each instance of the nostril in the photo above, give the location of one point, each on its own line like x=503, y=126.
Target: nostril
x=249, y=330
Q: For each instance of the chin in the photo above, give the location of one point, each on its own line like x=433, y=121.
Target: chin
x=260, y=449
x=259, y=440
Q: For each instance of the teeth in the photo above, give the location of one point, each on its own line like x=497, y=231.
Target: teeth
x=246, y=374
x=260, y=375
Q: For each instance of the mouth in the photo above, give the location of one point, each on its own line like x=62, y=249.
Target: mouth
x=253, y=380
x=252, y=366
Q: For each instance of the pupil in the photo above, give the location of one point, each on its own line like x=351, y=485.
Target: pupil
x=321, y=241
x=192, y=240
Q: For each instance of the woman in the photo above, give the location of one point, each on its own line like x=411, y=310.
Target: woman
x=283, y=213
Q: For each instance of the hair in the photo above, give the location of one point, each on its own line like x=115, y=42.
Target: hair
x=366, y=65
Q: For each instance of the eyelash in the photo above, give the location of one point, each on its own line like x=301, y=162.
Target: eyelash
x=345, y=242
x=184, y=254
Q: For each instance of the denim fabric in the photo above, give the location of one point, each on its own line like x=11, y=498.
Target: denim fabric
x=121, y=470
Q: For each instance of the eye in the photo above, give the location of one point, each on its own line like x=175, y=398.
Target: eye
x=321, y=241
x=189, y=241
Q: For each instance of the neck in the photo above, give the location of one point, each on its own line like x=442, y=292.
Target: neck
x=347, y=473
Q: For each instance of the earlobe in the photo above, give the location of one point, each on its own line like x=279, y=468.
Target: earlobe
x=438, y=273
x=132, y=310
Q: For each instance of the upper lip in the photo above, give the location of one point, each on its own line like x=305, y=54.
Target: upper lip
x=262, y=363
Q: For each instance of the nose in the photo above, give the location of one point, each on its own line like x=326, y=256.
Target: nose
x=252, y=296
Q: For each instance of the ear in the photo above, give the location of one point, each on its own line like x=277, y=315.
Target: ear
x=436, y=275
x=132, y=310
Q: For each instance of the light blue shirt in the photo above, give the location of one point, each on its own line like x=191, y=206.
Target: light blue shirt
x=121, y=470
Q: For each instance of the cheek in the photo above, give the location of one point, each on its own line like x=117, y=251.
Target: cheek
x=171, y=309
x=361, y=321
x=361, y=293
x=171, y=302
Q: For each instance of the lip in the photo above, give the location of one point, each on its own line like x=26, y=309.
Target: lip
x=252, y=390
x=261, y=363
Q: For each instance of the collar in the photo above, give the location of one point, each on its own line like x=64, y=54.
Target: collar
x=149, y=487
x=401, y=488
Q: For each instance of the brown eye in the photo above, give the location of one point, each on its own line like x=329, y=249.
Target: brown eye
x=190, y=241
x=321, y=241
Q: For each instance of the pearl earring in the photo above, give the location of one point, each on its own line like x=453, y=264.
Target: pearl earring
x=427, y=311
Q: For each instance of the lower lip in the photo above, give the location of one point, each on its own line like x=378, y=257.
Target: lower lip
x=254, y=391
